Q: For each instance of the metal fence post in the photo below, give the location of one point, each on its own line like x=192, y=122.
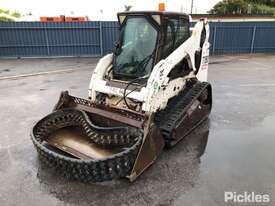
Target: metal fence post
x=253, y=39
x=101, y=38
x=214, y=39
x=47, y=41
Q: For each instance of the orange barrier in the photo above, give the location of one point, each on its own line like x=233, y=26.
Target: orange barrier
x=51, y=19
x=77, y=19
x=62, y=19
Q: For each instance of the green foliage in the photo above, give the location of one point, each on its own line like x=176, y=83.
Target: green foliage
x=3, y=18
x=16, y=14
x=263, y=9
x=263, y=2
x=4, y=11
x=8, y=15
x=230, y=7
x=244, y=7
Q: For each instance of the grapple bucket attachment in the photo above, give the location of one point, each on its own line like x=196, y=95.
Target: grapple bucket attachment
x=95, y=142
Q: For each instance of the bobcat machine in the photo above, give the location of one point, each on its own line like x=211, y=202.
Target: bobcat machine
x=145, y=96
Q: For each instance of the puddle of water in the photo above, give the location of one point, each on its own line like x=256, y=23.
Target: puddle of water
x=238, y=161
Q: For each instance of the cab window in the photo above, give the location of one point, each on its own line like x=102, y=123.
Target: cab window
x=176, y=32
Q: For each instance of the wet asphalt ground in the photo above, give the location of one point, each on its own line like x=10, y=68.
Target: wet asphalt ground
x=232, y=151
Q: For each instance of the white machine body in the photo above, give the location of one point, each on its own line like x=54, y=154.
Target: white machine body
x=159, y=89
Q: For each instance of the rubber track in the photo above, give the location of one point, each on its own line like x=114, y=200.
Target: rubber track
x=118, y=165
x=167, y=118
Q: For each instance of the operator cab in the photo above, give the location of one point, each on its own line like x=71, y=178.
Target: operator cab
x=146, y=38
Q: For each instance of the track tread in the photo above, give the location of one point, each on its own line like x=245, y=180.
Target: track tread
x=176, y=108
x=118, y=165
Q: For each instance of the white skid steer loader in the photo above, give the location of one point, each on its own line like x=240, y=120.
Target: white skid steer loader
x=149, y=93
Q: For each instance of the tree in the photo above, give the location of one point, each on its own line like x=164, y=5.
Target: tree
x=7, y=15
x=4, y=18
x=16, y=14
x=229, y=7
x=244, y=7
x=5, y=11
x=263, y=2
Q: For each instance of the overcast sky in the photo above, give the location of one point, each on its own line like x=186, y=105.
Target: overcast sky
x=100, y=9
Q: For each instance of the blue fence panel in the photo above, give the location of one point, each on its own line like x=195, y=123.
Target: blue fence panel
x=233, y=40
x=212, y=38
x=109, y=35
x=241, y=37
x=50, y=39
x=22, y=39
x=264, y=39
x=73, y=39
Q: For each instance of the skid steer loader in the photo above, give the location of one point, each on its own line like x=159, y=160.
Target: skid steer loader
x=148, y=94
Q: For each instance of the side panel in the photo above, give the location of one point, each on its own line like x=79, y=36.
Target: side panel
x=203, y=70
x=159, y=76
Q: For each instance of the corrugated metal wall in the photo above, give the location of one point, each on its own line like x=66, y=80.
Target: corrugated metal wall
x=242, y=37
x=23, y=39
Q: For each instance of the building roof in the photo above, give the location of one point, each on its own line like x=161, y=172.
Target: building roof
x=236, y=17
